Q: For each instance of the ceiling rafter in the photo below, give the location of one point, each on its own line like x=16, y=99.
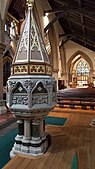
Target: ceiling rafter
x=79, y=23
x=74, y=9
x=80, y=4
x=55, y=19
x=63, y=11
x=77, y=34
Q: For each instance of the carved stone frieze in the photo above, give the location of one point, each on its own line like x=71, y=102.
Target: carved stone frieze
x=39, y=100
x=34, y=91
x=39, y=69
x=29, y=84
x=12, y=84
x=18, y=99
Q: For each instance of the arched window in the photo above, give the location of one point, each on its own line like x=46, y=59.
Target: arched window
x=81, y=71
x=82, y=68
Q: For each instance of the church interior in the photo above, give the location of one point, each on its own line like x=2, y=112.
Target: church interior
x=47, y=84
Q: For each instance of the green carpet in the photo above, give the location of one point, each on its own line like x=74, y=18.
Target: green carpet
x=74, y=162
x=6, y=144
x=55, y=120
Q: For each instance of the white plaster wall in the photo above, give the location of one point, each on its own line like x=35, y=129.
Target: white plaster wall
x=72, y=47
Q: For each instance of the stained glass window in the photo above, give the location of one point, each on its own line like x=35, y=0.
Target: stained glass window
x=82, y=68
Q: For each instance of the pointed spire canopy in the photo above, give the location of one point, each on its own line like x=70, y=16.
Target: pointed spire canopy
x=31, y=56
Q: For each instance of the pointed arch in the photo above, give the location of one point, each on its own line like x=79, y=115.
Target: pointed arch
x=83, y=55
x=9, y=50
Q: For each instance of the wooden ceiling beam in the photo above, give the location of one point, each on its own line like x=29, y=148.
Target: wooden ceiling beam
x=80, y=23
x=54, y=20
x=52, y=11
x=75, y=9
x=63, y=11
x=59, y=15
x=82, y=19
x=77, y=34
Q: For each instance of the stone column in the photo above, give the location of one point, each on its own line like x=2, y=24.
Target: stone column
x=2, y=47
x=19, y=137
x=2, y=30
x=20, y=131
x=40, y=139
x=63, y=63
x=26, y=137
x=36, y=129
x=2, y=103
x=42, y=127
x=54, y=49
x=27, y=129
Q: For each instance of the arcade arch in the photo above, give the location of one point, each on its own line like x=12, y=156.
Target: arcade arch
x=7, y=61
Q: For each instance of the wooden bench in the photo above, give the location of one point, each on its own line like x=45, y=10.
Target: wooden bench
x=76, y=97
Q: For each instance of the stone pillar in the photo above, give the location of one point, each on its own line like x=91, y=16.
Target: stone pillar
x=26, y=137
x=2, y=30
x=19, y=137
x=63, y=63
x=54, y=49
x=27, y=129
x=42, y=127
x=20, y=127
x=2, y=103
x=2, y=47
x=36, y=129
x=40, y=139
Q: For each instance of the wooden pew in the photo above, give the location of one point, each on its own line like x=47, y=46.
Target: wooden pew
x=76, y=97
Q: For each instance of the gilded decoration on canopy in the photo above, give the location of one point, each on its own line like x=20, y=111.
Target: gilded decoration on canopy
x=39, y=69
x=33, y=69
x=48, y=70
x=11, y=70
x=21, y=69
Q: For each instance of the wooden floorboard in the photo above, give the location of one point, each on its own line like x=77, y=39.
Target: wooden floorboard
x=76, y=136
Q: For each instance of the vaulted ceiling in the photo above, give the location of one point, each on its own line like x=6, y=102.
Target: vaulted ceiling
x=76, y=17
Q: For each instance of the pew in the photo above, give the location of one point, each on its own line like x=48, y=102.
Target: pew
x=82, y=97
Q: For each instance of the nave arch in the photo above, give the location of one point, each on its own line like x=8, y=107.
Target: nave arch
x=73, y=60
